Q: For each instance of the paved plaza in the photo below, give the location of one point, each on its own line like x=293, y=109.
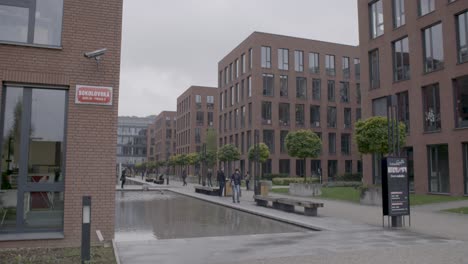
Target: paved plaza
x=349, y=233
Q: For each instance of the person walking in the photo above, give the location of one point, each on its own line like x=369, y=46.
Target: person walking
x=209, y=174
x=184, y=176
x=247, y=180
x=221, y=181
x=123, y=177
x=236, y=182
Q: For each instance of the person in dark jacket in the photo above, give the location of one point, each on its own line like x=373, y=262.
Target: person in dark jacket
x=221, y=181
x=184, y=176
x=247, y=180
x=236, y=179
x=123, y=177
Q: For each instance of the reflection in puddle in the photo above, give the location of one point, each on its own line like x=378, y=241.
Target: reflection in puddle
x=152, y=215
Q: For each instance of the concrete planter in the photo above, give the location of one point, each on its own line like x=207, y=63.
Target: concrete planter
x=305, y=189
x=371, y=196
x=267, y=183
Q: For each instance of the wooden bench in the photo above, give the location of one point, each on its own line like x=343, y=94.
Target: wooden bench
x=288, y=204
x=207, y=190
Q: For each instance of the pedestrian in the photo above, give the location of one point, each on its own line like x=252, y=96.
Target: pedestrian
x=247, y=180
x=209, y=174
x=235, y=183
x=221, y=181
x=123, y=177
x=184, y=176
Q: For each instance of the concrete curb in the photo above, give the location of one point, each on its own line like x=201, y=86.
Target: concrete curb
x=116, y=254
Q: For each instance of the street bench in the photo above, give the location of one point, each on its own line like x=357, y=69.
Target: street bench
x=207, y=190
x=288, y=204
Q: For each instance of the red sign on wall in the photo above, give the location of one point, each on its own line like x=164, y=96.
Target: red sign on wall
x=95, y=95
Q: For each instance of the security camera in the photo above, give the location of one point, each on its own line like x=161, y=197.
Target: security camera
x=95, y=54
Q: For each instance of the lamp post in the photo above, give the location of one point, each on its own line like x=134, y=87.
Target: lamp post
x=86, y=230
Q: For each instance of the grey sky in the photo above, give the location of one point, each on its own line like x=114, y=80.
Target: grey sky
x=172, y=44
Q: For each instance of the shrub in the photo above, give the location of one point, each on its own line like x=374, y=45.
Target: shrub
x=286, y=181
x=270, y=177
x=354, y=177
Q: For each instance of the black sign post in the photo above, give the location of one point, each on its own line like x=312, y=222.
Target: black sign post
x=395, y=189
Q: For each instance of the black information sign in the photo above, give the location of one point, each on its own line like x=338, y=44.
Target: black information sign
x=395, y=187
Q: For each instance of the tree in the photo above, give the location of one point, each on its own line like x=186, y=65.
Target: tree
x=211, y=148
x=228, y=153
x=263, y=153
x=372, y=135
x=303, y=144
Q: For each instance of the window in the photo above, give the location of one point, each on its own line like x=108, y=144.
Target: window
x=237, y=93
x=242, y=90
x=376, y=19
x=300, y=168
x=249, y=86
x=283, y=59
x=433, y=48
x=230, y=121
x=299, y=60
x=438, y=163
x=268, y=88
x=346, y=144
x=237, y=68
x=399, y=17
x=242, y=149
x=465, y=166
x=236, y=117
x=243, y=63
x=348, y=166
x=316, y=89
x=461, y=101
x=431, y=106
x=359, y=167
x=403, y=109
x=314, y=116
x=266, y=57
x=401, y=60
x=331, y=143
x=357, y=69
x=210, y=102
x=331, y=116
x=269, y=139
x=374, y=71
x=426, y=7
x=316, y=168
x=231, y=72
x=358, y=93
x=233, y=96
x=462, y=37
x=283, y=85
x=301, y=88
x=200, y=116
x=379, y=107
x=347, y=117
x=225, y=122
x=345, y=67
x=283, y=114
x=225, y=99
x=250, y=114
x=283, y=135
x=210, y=119
x=358, y=114
x=266, y=113
x=226, y=77
x=284, y=166
x=33, y=22
x=300, y=115
x=330, y=65
x=266, y=167
x=314, y=65
x=198, y=101
x=249, y=139
x=250, y=58
x=331, y=91
x=197, y=135
x=344, y=92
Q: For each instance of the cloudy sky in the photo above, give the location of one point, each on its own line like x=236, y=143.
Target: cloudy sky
x=168, y=45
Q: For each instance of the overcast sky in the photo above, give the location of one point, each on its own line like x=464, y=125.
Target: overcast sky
x=168, y=45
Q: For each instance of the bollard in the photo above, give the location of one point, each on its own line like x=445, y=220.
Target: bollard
x=86, y=230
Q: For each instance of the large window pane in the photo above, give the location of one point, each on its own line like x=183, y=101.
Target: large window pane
x=284, y=114
x=48, y=27
x=462, y=36
x=300, y=115
x=376, y=19
x=298, y=60
x=314, y=116
x=301, y=88
x=461, y=101
x=314, y=62
x=426, y=6
x=331, y=116
x=438, y=161
x=374, y=69
x=330, y=65
x=43, y=210
x=465, y=166
x=283, y=59
x=283, y=85
x=266, y=113
x=268, y=84
x=399, y=17
x=345, y=67
x=403, y=109
x=14, y=23
x=316, y=89
x=433, y=48
x=401, y=60
x=431, y=106
x=266, y=57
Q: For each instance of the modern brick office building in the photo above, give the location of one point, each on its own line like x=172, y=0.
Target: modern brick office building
x=196, y=112
x=164, y=136
x=58, y=119
x=132, y=139
x=276, y=84
x=417, y=50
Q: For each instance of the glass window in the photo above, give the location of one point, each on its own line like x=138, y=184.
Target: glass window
x=314, y=116
x=330, y=65
x=269, y=139
x=433, y=48
x=399, y=17
x=250, y=58
x=266, y=57
x=348, y=166
x=347, y=118
x=331, y=91
x=249, y=86
x=462, y=37
x=331, y=116
x=210, y=119
x=237, y=93
x=298, y=60
x=345, y=144
x=461, y=101
x=314, y=66
x=236, y=117
x=316, y=89
x=200, y=117
x=344, y=92
x=300, y=168
x=431, y=106
x=345, y=67
x=358, y=93
x=374, y=69
x=242, y=116
x=284, y=114
x=358, y=114
x=266, y=113
x=379, y=107
x=268, y=84
x=283, y=135
x=231, y=73
x=331, y=143
x=237, y=68
x=438, y=162
x=301, y=88
x=250, y=114
x=401, y=60
x=233, y=94
x=300, y=115
x=284, y=166
x=14, y=23
x=426, y=6
x=465, y=166
x=316, y=168
x=376, y=19
x=357, y=69
x=197, y=135
x=243, y=63
x=210, y=102
x=283, y=85
x=283, y=59
x=403, y=109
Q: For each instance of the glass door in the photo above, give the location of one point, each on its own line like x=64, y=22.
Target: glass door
x=438, y=162
x=465, y=166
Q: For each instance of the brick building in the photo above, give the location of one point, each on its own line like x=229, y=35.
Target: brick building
x=418, y=50
x=132, y=139
x=276, y=84
x=196, y=112
x=164, y=136
x=56, y=147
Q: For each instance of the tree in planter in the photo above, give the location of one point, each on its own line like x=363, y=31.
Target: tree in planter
x=303, y=144
x=263, y=153
x=193, y=159
x=228, y=153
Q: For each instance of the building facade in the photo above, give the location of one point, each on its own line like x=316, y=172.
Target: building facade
x=196, y=112
x=58, y=119
x=276, y=84
x=132, y=139
x=165, y=135
x=418, y=50
x=151, y=142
